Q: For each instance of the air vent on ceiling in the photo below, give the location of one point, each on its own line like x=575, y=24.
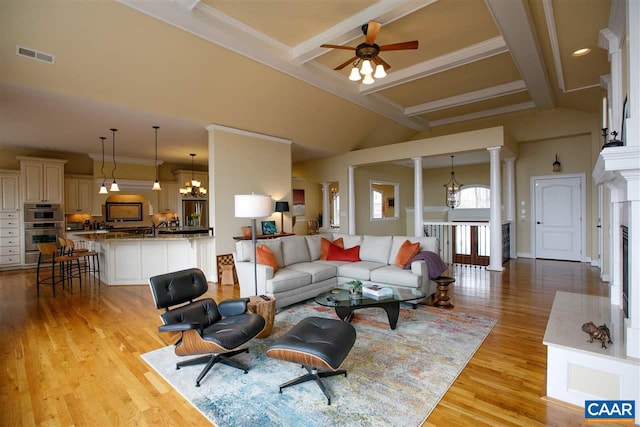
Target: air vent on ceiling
x=34, y=54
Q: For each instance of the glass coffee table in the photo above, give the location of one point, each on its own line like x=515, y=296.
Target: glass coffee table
x=345, y=304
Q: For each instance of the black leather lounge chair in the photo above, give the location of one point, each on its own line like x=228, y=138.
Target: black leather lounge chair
x=218, y=331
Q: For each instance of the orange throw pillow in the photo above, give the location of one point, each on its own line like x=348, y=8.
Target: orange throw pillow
x=336, y=253
x=266, y=257
x=325, y=244
x=406, y=252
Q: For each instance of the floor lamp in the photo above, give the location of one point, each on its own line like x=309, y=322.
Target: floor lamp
x=253, y=206
x=282, y=207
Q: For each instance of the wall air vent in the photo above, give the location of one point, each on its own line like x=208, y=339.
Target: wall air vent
x=34, y=54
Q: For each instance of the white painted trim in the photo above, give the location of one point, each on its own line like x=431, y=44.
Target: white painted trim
x=583, y=210
x=458, y=58
x=384, y=11
x=214, y=127
x=467, y=98
x=515, y=25
x=553, y=40
x=486, y=113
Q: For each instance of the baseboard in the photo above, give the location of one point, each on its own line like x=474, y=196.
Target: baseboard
x=524, y=254
x=605, y=277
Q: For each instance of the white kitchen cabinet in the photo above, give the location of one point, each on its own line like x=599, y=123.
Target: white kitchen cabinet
x=168, y=197
x=78, y=195
x=43, y=180
x=10, y=238
x=9, y=191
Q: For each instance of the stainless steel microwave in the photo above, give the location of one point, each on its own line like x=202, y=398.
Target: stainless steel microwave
x=43, y=212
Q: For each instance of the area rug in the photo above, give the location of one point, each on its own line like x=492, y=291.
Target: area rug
x=395, y=377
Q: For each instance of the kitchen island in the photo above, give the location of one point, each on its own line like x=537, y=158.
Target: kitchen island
x=132, y=259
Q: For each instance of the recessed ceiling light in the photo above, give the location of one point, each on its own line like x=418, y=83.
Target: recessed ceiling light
x=581, y=52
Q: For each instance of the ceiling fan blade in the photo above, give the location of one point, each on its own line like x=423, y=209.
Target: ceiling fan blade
x=400, y=46
x=335, y=46
x=381, y=61
x=341, y=66
x=373, y=28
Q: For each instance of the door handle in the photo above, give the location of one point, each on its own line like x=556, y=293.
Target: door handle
x=538, y=222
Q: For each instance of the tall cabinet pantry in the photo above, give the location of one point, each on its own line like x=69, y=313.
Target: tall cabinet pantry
x=10, y=222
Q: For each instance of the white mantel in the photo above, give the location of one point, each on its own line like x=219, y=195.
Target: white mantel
x=618, y=168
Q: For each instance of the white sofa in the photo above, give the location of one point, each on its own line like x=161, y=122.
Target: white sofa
x=302, y=275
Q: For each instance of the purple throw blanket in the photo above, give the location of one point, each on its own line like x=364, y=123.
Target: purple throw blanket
x=434, y=263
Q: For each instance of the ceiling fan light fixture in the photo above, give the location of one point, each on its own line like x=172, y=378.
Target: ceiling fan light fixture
x=366, y=68
x=380, y=73
x=355, y=75
x=368, y=79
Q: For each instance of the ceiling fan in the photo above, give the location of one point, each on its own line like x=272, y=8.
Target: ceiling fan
x=367, y=52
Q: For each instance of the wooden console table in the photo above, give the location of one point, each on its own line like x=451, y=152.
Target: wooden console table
x=263, y=236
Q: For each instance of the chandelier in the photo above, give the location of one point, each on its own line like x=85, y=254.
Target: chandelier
x=192, y=188
x=452, y=190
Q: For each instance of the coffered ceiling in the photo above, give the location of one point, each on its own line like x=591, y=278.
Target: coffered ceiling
x=476, y=59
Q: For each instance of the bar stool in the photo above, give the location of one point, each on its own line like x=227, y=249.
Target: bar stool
x=72, y=271
x=90, y=259
x=49, y=253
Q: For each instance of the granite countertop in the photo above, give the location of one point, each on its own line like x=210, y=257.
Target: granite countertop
x=142, y=234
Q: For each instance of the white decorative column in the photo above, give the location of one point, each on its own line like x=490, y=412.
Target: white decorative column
x=352, y=199
x=510, y=203
x=418, y=198
x=325, y=206
x=495, y=222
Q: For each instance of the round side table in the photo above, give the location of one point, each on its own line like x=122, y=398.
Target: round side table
x=266, y=309
x=442, y=298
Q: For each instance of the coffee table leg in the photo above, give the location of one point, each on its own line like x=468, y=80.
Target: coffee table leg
x=393, y=311
x=344, y=313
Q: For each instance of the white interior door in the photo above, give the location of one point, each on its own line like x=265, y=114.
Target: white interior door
x=558, y=218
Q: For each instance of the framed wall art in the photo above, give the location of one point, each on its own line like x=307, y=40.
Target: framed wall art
x=268, y=227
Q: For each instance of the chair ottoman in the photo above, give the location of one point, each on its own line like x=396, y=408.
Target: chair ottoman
x=315, y=343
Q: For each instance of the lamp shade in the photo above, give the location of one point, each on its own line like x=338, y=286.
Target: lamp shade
x=253, y=205
x=282, y=206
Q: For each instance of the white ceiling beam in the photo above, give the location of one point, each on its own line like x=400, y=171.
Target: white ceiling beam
x=482, y=114
x=513, y=19
x=384, y=11
x=467, y=98
x=464, y=56
x=216, y=27
x=189, y=4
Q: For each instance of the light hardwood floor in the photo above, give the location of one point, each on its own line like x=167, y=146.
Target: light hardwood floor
x=75, y=359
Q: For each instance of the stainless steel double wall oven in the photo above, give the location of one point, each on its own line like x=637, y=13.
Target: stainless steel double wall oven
x=43, y=223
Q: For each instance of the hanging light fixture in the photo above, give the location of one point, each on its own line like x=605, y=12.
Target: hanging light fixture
x=193, y=189
x=114, y=184
x=367, y=71
x=103, y=188
x=156, y=184
x=452, y=189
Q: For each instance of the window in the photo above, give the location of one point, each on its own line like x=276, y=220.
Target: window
x=336, y=210
x=377, y=203
x=384, y=200
x=475, y=197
